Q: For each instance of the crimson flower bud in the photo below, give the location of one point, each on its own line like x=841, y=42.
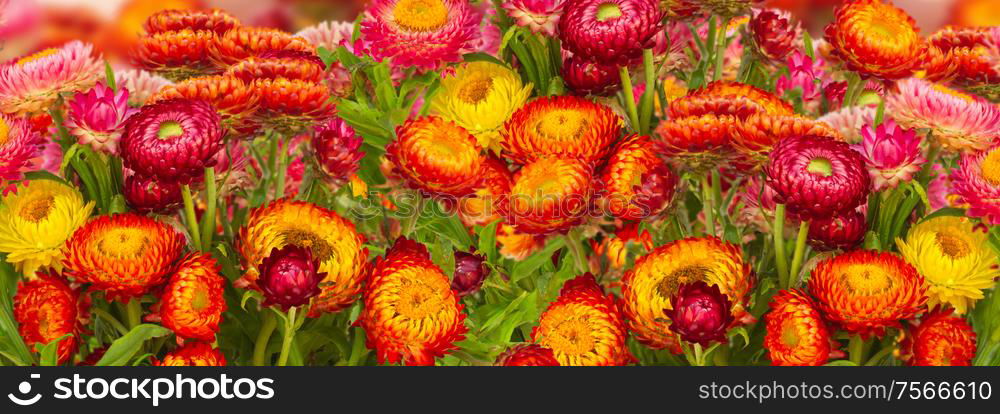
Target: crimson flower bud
x=470, y=272
x=700, y=313
x=289, y=277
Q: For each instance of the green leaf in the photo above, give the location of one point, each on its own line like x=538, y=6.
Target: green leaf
x=109, y=75
x=123, y=349
x=44, y=175
x=328, y=57
x=483, y=57
x=807, y=42
x=488, y=241
x=841, y=363
x=49, y=353
x=528, y=266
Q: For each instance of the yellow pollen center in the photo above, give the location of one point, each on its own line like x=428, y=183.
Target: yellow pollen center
x=124, y=243
x=200, y=300
x=418, y=300
x=37, y=56
x=321, y=250
x=949, y=91
x=572, y=337
x=4, y=131
x=170, y=129
x=420, y=15
x=608, y=11
x=38, y=209
x=952, y=245
x=991, y=167
x=476, y=90
x=562, y=125
x=866, y=281
x=687, y=274
x=789, y=333
x=820, y=166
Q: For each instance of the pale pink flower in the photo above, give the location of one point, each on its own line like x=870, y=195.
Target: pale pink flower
x=19, y=144
x=849, y=121
x=892, y=154
x=958, y=121
x=420, y=33
x=33, y=83
x=141, y=84
x=541, y=16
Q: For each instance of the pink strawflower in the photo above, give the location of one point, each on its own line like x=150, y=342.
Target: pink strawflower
x=541, y=16
x=32, y=83
x=18, y=17
x=977, y=182
x=141, y=84
x=50, y=158
x=958, y=121
x=331, y=35
x=18, y=145
x=803, y=73
x=489, y=35
x=337, y=148
x=758, y=205
x=891, y=153
x=420, y=33
x=96, y=117
x=941, y=190
x=849, y=121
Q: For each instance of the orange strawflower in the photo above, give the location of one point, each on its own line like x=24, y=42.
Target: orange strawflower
x=214, y=20
x=292, y=103
x=192, y=303
x=193, y=354
x=765, y=101
x=636, y=183
x=481, y=207
x=282, y=64
x=754, y=137
x=876, y=39
x=244, y=42
x=700, y=143
x=940, y=338
x=47, y=308
x=235, y=100
x=515, y=245
x=529, y=355
x=560, y=125
x=176, y=55
x=437, y=156
x=796, y=335
x=548, y=195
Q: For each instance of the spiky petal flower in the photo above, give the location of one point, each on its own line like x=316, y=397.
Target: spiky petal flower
x=939, y=339
x=437, y=156
x=866, y=292
x=410, y=311
x=891, y=153
x=173, y=139
x=648, y=287
x=549, y=195
x=977, y=182
x=192, y=303
x=19, y=143
x=589, y=77
x=541, y=16
x=761, y=100
x=32, y=83
x=700, y=313
x=954, y=258
x=46, y=308
x=528, y=355
x=140, y=84
x=699, y=143
x=233, y=99
x=849, y=120
x=803, y=72
x=337, y=149
x=289, y=64
x=482, y=206
x=609, y=30
x=333, y=240
x=97, y=116
x=756, y=136
x=176, y=55
x=636, y=183
x=584, y=327
x=292, y=103
x=876, y=39
x=844, y=231
x=420, y=33
x=561, y=125
x=958, y=121
x=193, y=354
x=288, y=277
x=480, y=97
x=36, y=221
x=774, y=33
x=241, y=43
x=124, y=255
x=817, y=177
x=214, y=20
x=796, y=335
x=150, y=194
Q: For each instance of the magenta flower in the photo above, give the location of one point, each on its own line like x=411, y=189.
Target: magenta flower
x=289, y=277
x=97, y=116
x=541, y=16
x=470, y=272
x=18, y=145
x=891, y=153
x=700, y=313
x=803, y=72
x=977, y=183
x=337, y=148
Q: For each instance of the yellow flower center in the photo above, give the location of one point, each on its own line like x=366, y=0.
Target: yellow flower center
x=123, y=243
x=820, y=166
x=951, y=244
x=37, y=56
x=476, y=90
x=170, y=129
x=562, y=125
x=572, y=337
x=608, y=11
x=418, y=300
x=420, y=15
x=4, y=131
x=789, y=333
x=687, y=274
x=200, y=300
x=321, y=250
x=865, y=280
x=949, y=91
x=991, y=167
x=38, y=209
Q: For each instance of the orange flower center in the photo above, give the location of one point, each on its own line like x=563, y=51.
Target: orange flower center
x=123, y=243
x=820, y=166
x=608, y=11
x=420, y=15
x=949, y=91
x=4, y=131
x=991, y=167
x=951, y=244
x=789, y=333
x=200, y=300
x=170, y=129
x=321, y=250
x=476, y=90
x=562, y=125
x=572, y=337
x=418, y=300
x=36, y=56
x=687, y=274
x=37, y=209
x=866, y=280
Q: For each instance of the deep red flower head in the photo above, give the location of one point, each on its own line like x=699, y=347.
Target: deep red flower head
x=530, y=355
x=700, y=313
x=146, y=194
x=470, y=272
x=610, y=30
x=289, y=277
x=845, y=231
x=46, y=309
x=817, y=177
x=940, y=338
x=337, y=148
x=173, y=139
x=590, y=77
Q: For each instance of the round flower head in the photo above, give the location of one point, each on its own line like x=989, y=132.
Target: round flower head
x=333, y=240
x=700, y=143
x=337, y=149
x=588, y=77
x=233, y=99
x=656, y=277
x=977, y=183
x=817, y=177
x=958, y=121
x=541, y=16
x=762, y=101
x=241, y=43
x=549, y=195
x=844, y=231
x=954, y=258
x=796, y=335
x=19, y=143
x=966, y=56
x=756, y=136
x=124, y=255
x=141, y=85
x=410, y=312
x=866, y=292
x=480, y=97
x=173, y=139
x=700, y=314
x=636, y=183
x=288, y=277
x=46, y=309
x=329, y=34
x=33, y=83
x=482, y=206
x=529, y=355
x=774, y=33
x=36, y=221
x=214, y=20
x=876, y=39
x=176, y=55
x=516, y=245
x=562, y=125
x=849, y=120
x=609, y=30
x=96, y=117
x=437, y=156
x=420, y=33
x=287, y=64
x=192, y=354
x=584, y=327
x=149, y=194
x=939, y=339
x=470, y=272
x=292, y=103
x=891, y=153
x=192, y=303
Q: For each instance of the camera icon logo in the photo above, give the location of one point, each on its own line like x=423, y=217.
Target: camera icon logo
x=24, y=388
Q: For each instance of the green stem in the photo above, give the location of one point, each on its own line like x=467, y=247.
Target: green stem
x=573, y=241
x=190, y=217
x=286, y=344
x=932, y=154
x=780, y=255
x=800, y=249
x=699, y=355
x=875, y=359
x=708, y=204
x=357, y=347
x=110, y=319
x=410, y=223
x=647, y=96
x=133, y=312
x=633, y=112
x=279, y=186
x=855, y=349
x=720, y=51
x=267, y=324
x=208, y=221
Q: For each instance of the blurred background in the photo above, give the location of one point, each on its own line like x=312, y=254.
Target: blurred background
x=113, y=26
